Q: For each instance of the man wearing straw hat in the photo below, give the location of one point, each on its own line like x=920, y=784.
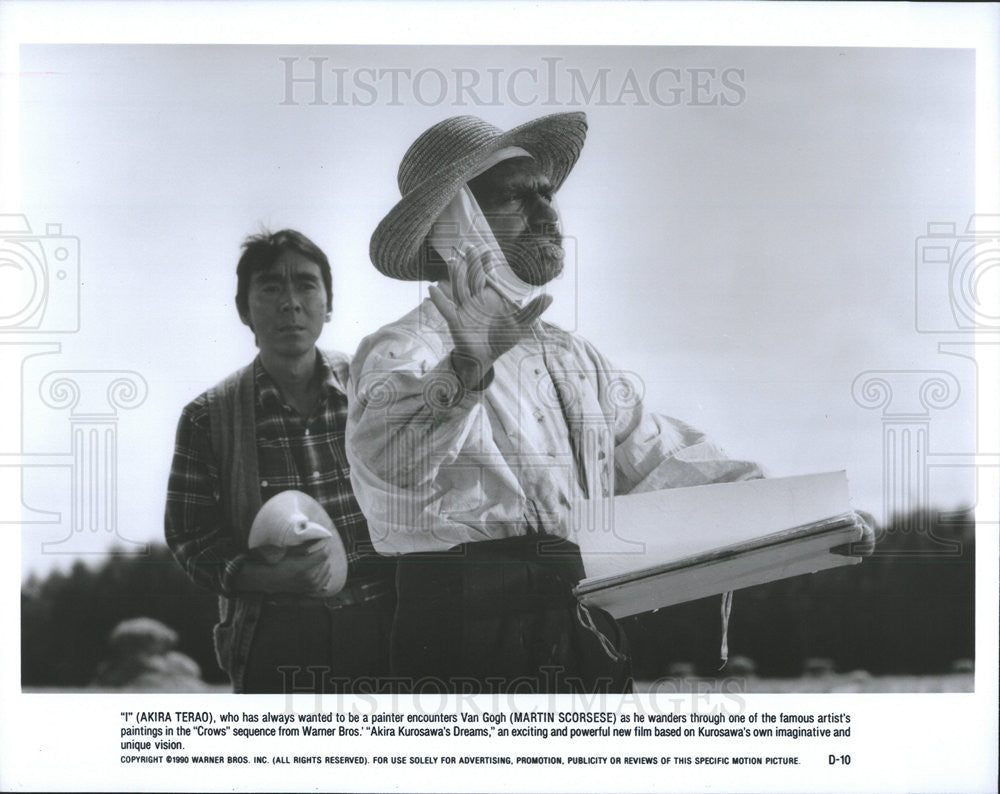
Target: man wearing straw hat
x=259, y=504
x=473, y=426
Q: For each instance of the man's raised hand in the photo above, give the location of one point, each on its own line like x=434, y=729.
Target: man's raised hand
x=866, y=544
x=483, y=323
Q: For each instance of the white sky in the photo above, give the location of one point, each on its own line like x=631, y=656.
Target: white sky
x=747, y=261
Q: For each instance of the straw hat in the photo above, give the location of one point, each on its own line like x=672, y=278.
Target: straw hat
x=444, y=158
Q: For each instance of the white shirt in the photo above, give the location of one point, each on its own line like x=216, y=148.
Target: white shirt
x=434, y=465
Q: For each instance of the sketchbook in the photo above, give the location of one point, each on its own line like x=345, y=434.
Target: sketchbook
x=655, y=549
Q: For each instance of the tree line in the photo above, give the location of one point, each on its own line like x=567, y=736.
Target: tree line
x=908, y=609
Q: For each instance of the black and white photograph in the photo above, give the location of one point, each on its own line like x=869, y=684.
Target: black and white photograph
x=497, y=398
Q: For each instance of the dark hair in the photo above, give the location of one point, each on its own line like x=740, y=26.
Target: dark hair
x=260, y=251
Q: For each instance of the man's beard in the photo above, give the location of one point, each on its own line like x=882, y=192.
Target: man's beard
x=535, y=259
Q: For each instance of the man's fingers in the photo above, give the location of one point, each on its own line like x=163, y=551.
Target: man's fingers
x=867, y=518
x=479, y=264
x=860, y=548
x=865, y=545
x=320, y=574
x=495, y=305
x=460, y=287
x=527, y=315
x=443, y=304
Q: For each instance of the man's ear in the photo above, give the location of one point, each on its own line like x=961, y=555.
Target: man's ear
x=329, y=311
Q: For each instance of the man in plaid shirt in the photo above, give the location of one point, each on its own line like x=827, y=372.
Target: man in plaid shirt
x=278, y=425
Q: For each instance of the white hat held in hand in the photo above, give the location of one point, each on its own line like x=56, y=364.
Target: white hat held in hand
x=292, y=518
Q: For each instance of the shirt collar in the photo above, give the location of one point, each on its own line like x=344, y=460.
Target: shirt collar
x=329, y=375
x=268, y=390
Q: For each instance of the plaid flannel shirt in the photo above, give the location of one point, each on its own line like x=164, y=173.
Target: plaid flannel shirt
x=294, y=452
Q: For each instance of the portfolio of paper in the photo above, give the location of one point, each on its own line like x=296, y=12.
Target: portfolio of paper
x=650, y=550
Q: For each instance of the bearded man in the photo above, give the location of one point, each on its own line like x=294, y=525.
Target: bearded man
x=474, y=427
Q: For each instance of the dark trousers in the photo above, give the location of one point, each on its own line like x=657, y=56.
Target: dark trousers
x=312, y=647
x=500, y=616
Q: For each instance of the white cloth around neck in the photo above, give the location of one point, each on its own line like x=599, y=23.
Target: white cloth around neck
x=461, y=231
x=507, y=153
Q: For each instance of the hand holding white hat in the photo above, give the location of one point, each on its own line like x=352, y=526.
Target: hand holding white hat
x=293, y=526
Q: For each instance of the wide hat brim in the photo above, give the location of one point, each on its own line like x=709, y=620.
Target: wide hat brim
x=555, y=141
